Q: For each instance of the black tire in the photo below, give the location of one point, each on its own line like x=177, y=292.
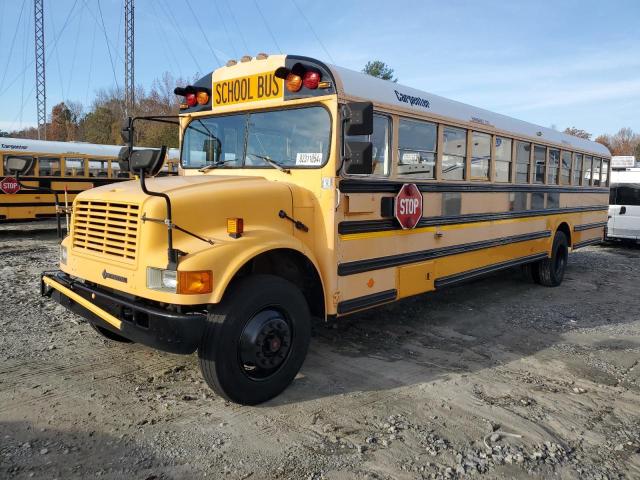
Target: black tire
x=256, y=340
x=551, y=270
x=109, y=335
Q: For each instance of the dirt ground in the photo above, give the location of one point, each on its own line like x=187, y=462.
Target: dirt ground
x=494, y=379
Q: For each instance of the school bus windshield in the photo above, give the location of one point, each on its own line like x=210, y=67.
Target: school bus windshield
x=291, y=138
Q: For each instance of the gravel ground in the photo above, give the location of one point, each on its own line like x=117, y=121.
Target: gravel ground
x=494, y=379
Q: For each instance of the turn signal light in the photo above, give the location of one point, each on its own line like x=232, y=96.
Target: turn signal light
x=195, y=282
x=202, y=98
x=190, y=99
x=293, y=82
x=235, y=227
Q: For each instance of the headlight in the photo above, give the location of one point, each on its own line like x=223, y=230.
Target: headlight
x=63, y=254
x=163, y=280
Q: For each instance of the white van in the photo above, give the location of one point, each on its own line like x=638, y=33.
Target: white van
x=624, y=205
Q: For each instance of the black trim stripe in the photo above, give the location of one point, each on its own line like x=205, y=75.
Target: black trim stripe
x=366, y=226
x=359, y=303
x=28, y=204
x=359, y=266
x=386, y=186
x=586, y=243
x=589, y=226
x=471, y=274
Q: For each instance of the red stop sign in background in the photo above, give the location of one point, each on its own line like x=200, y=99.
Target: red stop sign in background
x=408, y=206
x=9, y=185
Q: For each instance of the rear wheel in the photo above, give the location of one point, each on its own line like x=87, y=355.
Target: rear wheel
x=109, y=335
x=550, y=271
x=256, y=340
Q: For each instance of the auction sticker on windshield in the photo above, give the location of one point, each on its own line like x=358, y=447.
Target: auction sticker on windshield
x=309, y=159
x=263, y=86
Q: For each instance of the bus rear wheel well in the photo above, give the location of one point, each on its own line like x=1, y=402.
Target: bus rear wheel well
x=564, y=228
x=294, y=267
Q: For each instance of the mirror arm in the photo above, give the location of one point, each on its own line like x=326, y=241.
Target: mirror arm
x=172, y=254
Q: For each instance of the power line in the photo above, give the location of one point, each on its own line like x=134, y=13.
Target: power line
x=163, y=37
x=93, y=43
x=104, y=30
x=176, y=27
x=75, y=50
x=224, y=25
x=13, y=41
x=238, y=29
x=204, y=34
x=57, y=54
x=312, y=30
x=267, y=25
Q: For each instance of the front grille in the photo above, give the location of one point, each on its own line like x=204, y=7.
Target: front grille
x=107, y=228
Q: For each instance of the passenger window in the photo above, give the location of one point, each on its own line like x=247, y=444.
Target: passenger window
x=49, y=167
x=597, y=162
x=587, y=169
x=454, y=153
x=74, y=167
x=523, y=164
x=577, y=169
x=503, y=159
x=540, y=160
x=380, y=143
x=31, y=168
x=417, y=142
x=605, y=172
x=480, y=156
x=98, y=168
x=554, y=162
x=566, y=168
x=628, y=195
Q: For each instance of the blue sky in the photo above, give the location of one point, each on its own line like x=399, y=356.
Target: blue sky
x=562, y=63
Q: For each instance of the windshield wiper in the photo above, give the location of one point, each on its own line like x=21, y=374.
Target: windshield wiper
x=270, y=162
x=214, y=165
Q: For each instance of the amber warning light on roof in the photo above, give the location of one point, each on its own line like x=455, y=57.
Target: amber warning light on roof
x=263, y=86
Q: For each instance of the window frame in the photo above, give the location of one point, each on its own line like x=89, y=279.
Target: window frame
x=396, y=149
x=466, y=166
x=473, y=178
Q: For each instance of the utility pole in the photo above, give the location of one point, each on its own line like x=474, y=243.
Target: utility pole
x=129, y=78
x=41, y=88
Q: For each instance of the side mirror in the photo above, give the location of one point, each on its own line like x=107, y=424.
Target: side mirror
x=123, y=159
x=358, y=118
x=127, y=131
x=18, y=165
x=359, y=158
x=149, y=160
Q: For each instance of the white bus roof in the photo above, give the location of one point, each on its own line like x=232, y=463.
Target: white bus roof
x=360, y=85
x=22, y=145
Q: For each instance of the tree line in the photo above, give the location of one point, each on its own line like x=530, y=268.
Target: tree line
x=68, y=121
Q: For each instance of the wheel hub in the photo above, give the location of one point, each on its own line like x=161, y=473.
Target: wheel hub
x=265, y=343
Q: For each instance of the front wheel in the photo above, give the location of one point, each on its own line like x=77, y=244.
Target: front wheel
x=256, y=340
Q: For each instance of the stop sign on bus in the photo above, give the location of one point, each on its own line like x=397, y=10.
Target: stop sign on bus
x=408, y=206
x=9, y=185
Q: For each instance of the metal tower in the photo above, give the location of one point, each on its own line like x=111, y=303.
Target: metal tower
x=41, y=89
x=129, y=79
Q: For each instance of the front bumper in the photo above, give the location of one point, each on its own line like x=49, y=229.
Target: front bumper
x=157, y=327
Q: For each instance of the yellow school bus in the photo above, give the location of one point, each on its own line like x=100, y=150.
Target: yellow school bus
x=313, y=191
x=56, y=168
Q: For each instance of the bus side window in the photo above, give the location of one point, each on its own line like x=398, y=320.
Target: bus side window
x=454, y=153
x=587, y=170
x=74, y=167
x=577, y=169
x=605, y=172
x=597, y=163
x=540, y=160
x=554, y=162
x=49, y=167
x=503, y=160
x=522, y=162
x=480, y=156
x=417, y=143
x=98, y=168
x=380, y=140
x=31, y=169
x=566, y=168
